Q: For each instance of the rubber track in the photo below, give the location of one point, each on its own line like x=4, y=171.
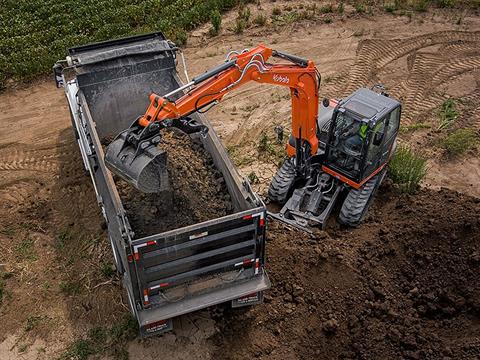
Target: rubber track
x=357, y=202
x=282, y=182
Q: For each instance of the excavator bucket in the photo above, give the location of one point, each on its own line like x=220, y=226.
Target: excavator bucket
x=146, y=168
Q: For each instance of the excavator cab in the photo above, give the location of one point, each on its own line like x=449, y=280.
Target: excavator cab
x=362, y=132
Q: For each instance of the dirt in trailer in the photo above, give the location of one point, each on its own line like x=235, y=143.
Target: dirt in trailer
x=197, y=190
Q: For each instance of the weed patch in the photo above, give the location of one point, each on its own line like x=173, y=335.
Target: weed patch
x=414, y=127
x=25, y=251
x=104, y=341
x=448, y=114
x=216, y=20
x=253, y=178
x=70, y=287
x=260, y=20
x=407, y=169
x=268, y=148
x=460, y=141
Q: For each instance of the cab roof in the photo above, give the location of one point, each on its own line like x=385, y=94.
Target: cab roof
x=368, y=105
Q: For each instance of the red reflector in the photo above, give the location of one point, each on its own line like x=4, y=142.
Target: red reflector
x=136, y=256
x=145, y=292
x=164, y=284
x=247, y=261
x=130, y=258
x=247, y=217
x=262, y=222
x=151, y=243
x=257, y=264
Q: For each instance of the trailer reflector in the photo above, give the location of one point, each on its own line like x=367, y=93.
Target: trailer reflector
x=146, y=301
x=149, y=243
x=247, y=217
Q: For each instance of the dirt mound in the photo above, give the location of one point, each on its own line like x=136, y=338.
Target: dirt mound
x=198, y=191
x=404, y=285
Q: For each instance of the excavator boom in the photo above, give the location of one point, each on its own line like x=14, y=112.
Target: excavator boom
x=134, y=154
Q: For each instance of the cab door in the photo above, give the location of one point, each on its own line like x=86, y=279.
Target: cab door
x=382, y=137
x=392, y=123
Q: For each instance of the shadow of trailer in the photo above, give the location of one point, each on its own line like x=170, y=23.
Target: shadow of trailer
x=185, y=269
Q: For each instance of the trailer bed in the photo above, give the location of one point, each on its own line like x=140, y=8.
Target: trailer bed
x=187, y=268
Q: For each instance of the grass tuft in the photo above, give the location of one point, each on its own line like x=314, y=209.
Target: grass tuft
x=276, y=11
x=260, y=20
x=359, y=8
x=448, y=114
x=25, y=250
x=460, y=141
x=70, y=287
x=326, y=9
x=407, y=169
x=389, y=7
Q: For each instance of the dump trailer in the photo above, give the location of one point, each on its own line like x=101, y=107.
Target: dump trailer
x=168, y=274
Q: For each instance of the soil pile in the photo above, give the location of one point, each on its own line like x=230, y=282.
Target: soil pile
x=197, y=190
x=404, y=285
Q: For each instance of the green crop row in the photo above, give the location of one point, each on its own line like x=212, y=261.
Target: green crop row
x=36, y=33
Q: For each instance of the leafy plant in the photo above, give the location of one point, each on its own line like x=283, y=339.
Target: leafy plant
x=216, y=20
x=460, y=141
x=253, y=178
x=448, y=114
x=407, y=169
x=341, y=8
x=39, y=32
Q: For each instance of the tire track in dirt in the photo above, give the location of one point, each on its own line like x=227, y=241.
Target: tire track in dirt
x=16, y=193
x=427, y=70
x=25, y=158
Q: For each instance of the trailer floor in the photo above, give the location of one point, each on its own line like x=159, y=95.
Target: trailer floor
x=404, y=285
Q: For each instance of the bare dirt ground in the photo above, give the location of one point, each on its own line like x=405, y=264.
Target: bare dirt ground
x=404, y=285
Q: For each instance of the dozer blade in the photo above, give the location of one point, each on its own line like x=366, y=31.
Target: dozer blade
x=143, y=165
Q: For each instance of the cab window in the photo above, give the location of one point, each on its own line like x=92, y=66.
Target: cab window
x=393, y=123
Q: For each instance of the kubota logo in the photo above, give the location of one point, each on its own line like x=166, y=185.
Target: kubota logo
x=281, y=79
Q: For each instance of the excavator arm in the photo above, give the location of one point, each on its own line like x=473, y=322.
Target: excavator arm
x=125, y=154
x=300, y=77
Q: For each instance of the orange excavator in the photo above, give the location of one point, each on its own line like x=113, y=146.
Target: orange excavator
x=342, y=150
